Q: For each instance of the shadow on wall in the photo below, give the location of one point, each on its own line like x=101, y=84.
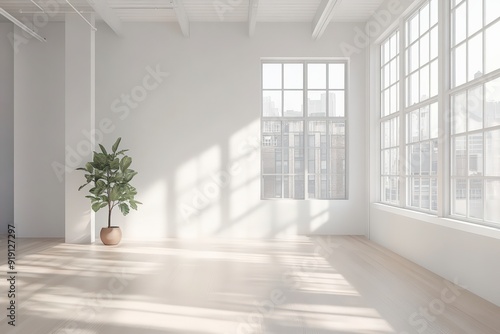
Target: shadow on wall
x=215, y=192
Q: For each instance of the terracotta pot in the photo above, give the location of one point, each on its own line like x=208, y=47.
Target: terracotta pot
x=111, y=235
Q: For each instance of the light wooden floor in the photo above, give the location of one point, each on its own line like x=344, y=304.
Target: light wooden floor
x=303, y=285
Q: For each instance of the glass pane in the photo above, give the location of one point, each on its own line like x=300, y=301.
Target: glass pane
x=476, y=199
x=425, y=158
x=475, y=16
x=336, y=76
x=271, y=127
x=271, y=141
x=460, y=23
x=414, y=159
x=476, y=154
x=492, y=148
x=434, y=43
x=394, y=99
x=413, y=30
x=294, y=76
x=337, y=104
x=337, y=186
x=386, y=162
x=337, y=162
x=459, y=113
x=459, y=197
x=434, y=78
x=434, y=12
x=434, y=192
x=459, y=156
x=293, y=187
x=386, y=56
x=414, y=127
x=425, y=193
x=387, y=75
x=424, y=49
x=271, y=103
x=293, y=134
x=434, y=121
x=424, y=83
x=271, y=76
x=296, y=159
x=386, y=134
x=492, y=103
x=492, y=10
x=271, y=161
x=460, y=65
x=414, y=89
x=492, y=49
x=317, y=131
x=337, y=128
x=475, y=57
x=434, y=157
x=293, y=104
x=492, y=198
x=414, y=191
x=271, y=187
x=394, y=162
x=316, y=76
x=475, y=108
x=316, y=103
x=424, y=19
x=424, y=123
x=394, y=71
x=395, y=131
x=317, y=161
x=414, y=60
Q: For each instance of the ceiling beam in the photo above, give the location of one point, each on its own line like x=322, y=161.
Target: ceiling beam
x=182, y=17
x=323, y=17
x=108, y=15
x=253, y=6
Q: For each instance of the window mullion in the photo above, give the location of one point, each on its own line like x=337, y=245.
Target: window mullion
x=402, y=117
x=305, y=131
x=444, y=110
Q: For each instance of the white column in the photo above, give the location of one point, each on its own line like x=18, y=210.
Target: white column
x=80, y=125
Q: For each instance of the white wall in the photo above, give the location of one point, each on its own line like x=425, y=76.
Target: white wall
x=39, y=135
x=204, y=117
x=470, y=258
x=6, y=128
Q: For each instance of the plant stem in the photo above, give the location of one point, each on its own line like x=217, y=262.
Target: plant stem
x=109, y=216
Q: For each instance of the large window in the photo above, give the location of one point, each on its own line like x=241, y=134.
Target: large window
x=475, y=110
x=464, y=115
x=304, y=130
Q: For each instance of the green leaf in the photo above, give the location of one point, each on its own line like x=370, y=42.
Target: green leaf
x=125, y=163
x=103, y=150
x=124, y=208
x=115, y=194
x=81, y=187
x=96, y=206
x=116, y=144
x=89, y=167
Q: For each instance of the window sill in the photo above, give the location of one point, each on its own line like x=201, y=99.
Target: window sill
x=455, y=224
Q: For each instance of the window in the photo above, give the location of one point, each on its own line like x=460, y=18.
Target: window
x=471, y=123
x=304, y=130
x=389, y=123
x=475, y=30
x=475, y=125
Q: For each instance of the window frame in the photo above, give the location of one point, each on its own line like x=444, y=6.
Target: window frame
x=446, y=91
x=306, y=119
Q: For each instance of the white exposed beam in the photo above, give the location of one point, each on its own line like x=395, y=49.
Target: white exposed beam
x=182, y=17
x=108, y=15
x=21, y=25
x=323, y=17
x=253, y=6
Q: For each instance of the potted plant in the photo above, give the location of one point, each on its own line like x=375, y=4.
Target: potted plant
x=110, y=176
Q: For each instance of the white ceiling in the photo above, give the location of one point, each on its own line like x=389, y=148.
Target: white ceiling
x=317, y=12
